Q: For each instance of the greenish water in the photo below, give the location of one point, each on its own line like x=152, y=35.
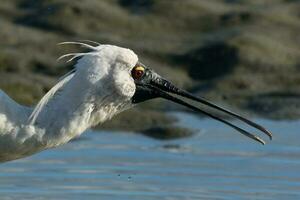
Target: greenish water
x=216, y=163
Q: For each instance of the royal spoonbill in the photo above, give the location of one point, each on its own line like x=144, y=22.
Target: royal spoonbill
x=104, y=82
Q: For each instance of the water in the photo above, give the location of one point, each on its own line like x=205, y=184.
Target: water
x=216, y=163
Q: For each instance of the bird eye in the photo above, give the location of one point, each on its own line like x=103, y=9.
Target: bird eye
x=137, y=72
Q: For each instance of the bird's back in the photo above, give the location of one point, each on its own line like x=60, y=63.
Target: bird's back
x=12, y=117
x=11, y=112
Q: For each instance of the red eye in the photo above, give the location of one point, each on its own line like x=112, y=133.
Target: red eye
x=137, y=72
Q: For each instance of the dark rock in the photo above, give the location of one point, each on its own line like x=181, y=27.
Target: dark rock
x=235, y=18
x=137, y=7
x=137, y=120
x=275, y=105
x=167, y=132
x=211, y=61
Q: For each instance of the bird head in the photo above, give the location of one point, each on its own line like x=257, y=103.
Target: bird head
x=119, y=72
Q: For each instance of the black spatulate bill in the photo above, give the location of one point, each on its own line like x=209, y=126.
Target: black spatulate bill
x=150, y=85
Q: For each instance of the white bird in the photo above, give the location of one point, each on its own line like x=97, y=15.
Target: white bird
x=105, y=81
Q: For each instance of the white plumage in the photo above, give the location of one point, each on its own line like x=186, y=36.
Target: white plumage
x=99, y=87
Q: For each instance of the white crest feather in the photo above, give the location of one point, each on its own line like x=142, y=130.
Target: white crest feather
x=91, y=41
x=76, y=55
x=72, y=55
x=81, y=44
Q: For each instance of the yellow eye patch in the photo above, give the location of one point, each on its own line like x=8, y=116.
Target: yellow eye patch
x=137, y=72
x=139, y=68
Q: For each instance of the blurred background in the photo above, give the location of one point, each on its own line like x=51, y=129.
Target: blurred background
x=243, y=54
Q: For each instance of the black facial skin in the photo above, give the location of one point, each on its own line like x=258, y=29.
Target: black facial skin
x=150, y=85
